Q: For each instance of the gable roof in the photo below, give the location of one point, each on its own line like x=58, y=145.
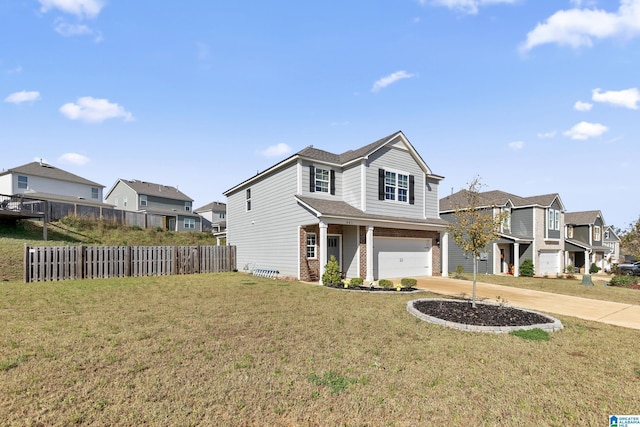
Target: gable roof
x=344, y=159
x=152, y=189
x=213, y=206
x=582, y=218
x=497, y=198
x=45, y=170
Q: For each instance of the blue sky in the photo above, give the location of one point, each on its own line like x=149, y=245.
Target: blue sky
x=534, y=97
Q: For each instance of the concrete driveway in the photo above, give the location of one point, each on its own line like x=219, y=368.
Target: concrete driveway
x=613, y=313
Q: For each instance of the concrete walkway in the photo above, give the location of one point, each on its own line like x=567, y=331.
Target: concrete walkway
x=613, y=313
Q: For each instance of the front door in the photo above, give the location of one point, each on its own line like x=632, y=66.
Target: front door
x=333, y=248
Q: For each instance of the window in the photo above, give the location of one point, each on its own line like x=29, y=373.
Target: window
x=311, y=245
x=115, y=202
x=23, y=182
x=143, y=200
x=607, y=234
x=554, y=219
x=570, y=232
x=322, y=180
x=124, y=202
x=187, y=206
x=222, y=215
x=190, y=223
x=248, y=198
x=95, y=193
x=596, y=232
x=396, y=186
x=557, y=213
x=506, y=222
x=551, y=221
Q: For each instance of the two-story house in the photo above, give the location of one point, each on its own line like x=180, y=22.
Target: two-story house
x=533, y=230
x=39, y=180
x=214, y=216
x=165, y=206
x=585, y=240
x=374, y=208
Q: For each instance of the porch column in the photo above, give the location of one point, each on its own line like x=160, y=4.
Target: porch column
x=322, y=247
x=587, y=262
x=369, y=244
x=516, y=259
x=444, y=253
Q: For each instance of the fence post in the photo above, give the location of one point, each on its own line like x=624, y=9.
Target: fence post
x=80, y=262
x=26, y=264
x=127, y=261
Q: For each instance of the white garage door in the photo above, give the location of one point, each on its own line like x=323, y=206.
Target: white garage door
x=397, y=258
x=549, y=263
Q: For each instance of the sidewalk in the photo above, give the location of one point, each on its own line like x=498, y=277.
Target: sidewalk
x=613, y=313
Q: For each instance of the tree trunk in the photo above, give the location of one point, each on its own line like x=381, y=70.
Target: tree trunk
x=475, y=271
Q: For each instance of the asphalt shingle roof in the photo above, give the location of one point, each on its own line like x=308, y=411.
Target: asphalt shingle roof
x=581, y=218
x=494, y=198
x=157, y=190
x=48, y=171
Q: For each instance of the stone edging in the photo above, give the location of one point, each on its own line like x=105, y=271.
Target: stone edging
x=549, y=327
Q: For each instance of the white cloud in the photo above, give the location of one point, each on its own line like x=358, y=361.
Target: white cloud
x=69, y=30
x=582, y=106
x=80, y=8
x=277, y=150
x=390, y=79
x=15, y=70
x=516, y=145
x=466, y=6
x=546, y=135
x=94, y=110
x=628, y=98
x=586, y=130
x=74, y=159
x=578, y=27
x=24, y=96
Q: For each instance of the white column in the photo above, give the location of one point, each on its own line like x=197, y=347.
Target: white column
x=516, y=259
x=587, y=262
x=322, y=247
x=369, y=277
x=444, y=254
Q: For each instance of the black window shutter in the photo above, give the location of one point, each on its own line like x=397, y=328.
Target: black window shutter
x=380, y=184
x=333, y=182
x=312, y=178
x=412, y=186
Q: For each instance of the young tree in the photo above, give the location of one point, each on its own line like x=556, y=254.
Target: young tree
x=630, y=239
x=476, y=225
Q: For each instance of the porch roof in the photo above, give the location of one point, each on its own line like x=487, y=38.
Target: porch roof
x=517, y=239
x=340, y=209
x=573, y=245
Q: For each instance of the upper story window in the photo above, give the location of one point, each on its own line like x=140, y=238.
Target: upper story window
x=554, y=219
x=311, y=245
x=222, y=215
x=247, y=196
x=607, y=234
x=23, y=181
x=95, y=193
x=190, y=223
x=396, y=186
x=322, y=180
x=124, y=202
x=143, y=200
x=115, y=202
x=187, y=206
x=506, y=221
x=570, y=232
x=596, y=232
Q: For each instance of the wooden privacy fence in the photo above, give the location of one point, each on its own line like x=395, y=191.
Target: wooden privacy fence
x=53, y=263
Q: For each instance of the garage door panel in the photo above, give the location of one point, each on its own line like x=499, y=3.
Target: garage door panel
x=549, y=263
x=402, y=257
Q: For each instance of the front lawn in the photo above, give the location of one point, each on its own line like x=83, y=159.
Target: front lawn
x=232, y=349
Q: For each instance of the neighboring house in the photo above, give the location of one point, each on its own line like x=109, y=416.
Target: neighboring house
x=585, y=241
x=612, y=241
x=42, y=181
x=374, y=208
x=166, y=206
x=214, y=216
x=533, y=230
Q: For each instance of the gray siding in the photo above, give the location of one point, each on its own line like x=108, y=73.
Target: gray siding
x=162, y=204
x=352, y=186
x=120, y=192
x=306, y=184
x=350, y=251
x=522, y=222
x=553, y=234
x=581, y=233
x=267, y=236
x=395, y=159
x=432, y=199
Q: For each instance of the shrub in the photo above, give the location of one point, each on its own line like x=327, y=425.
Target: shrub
x=356, y=281
x=459, y=272
x=623, y=280
x=408, y=283
x=331, y=276
x=386, y=284
x=526, y=268
x=594, y=268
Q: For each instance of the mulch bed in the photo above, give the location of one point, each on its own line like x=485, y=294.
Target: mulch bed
x=482, y=315
x=373, y=289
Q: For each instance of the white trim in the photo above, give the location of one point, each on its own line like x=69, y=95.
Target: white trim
x=363, y=186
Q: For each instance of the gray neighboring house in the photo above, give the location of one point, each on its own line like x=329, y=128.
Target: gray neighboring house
x=585, y=240
x=374, y=208
x=533, y=230
x=42, y=181
x=612, y=241
x=170, y=208
x=214, y=216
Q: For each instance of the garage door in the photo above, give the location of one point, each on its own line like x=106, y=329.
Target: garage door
x=549, y=263
x=397, y=258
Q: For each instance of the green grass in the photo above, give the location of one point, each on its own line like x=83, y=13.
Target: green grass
x=535, y=334
x=210, y=350
x=74, y=231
